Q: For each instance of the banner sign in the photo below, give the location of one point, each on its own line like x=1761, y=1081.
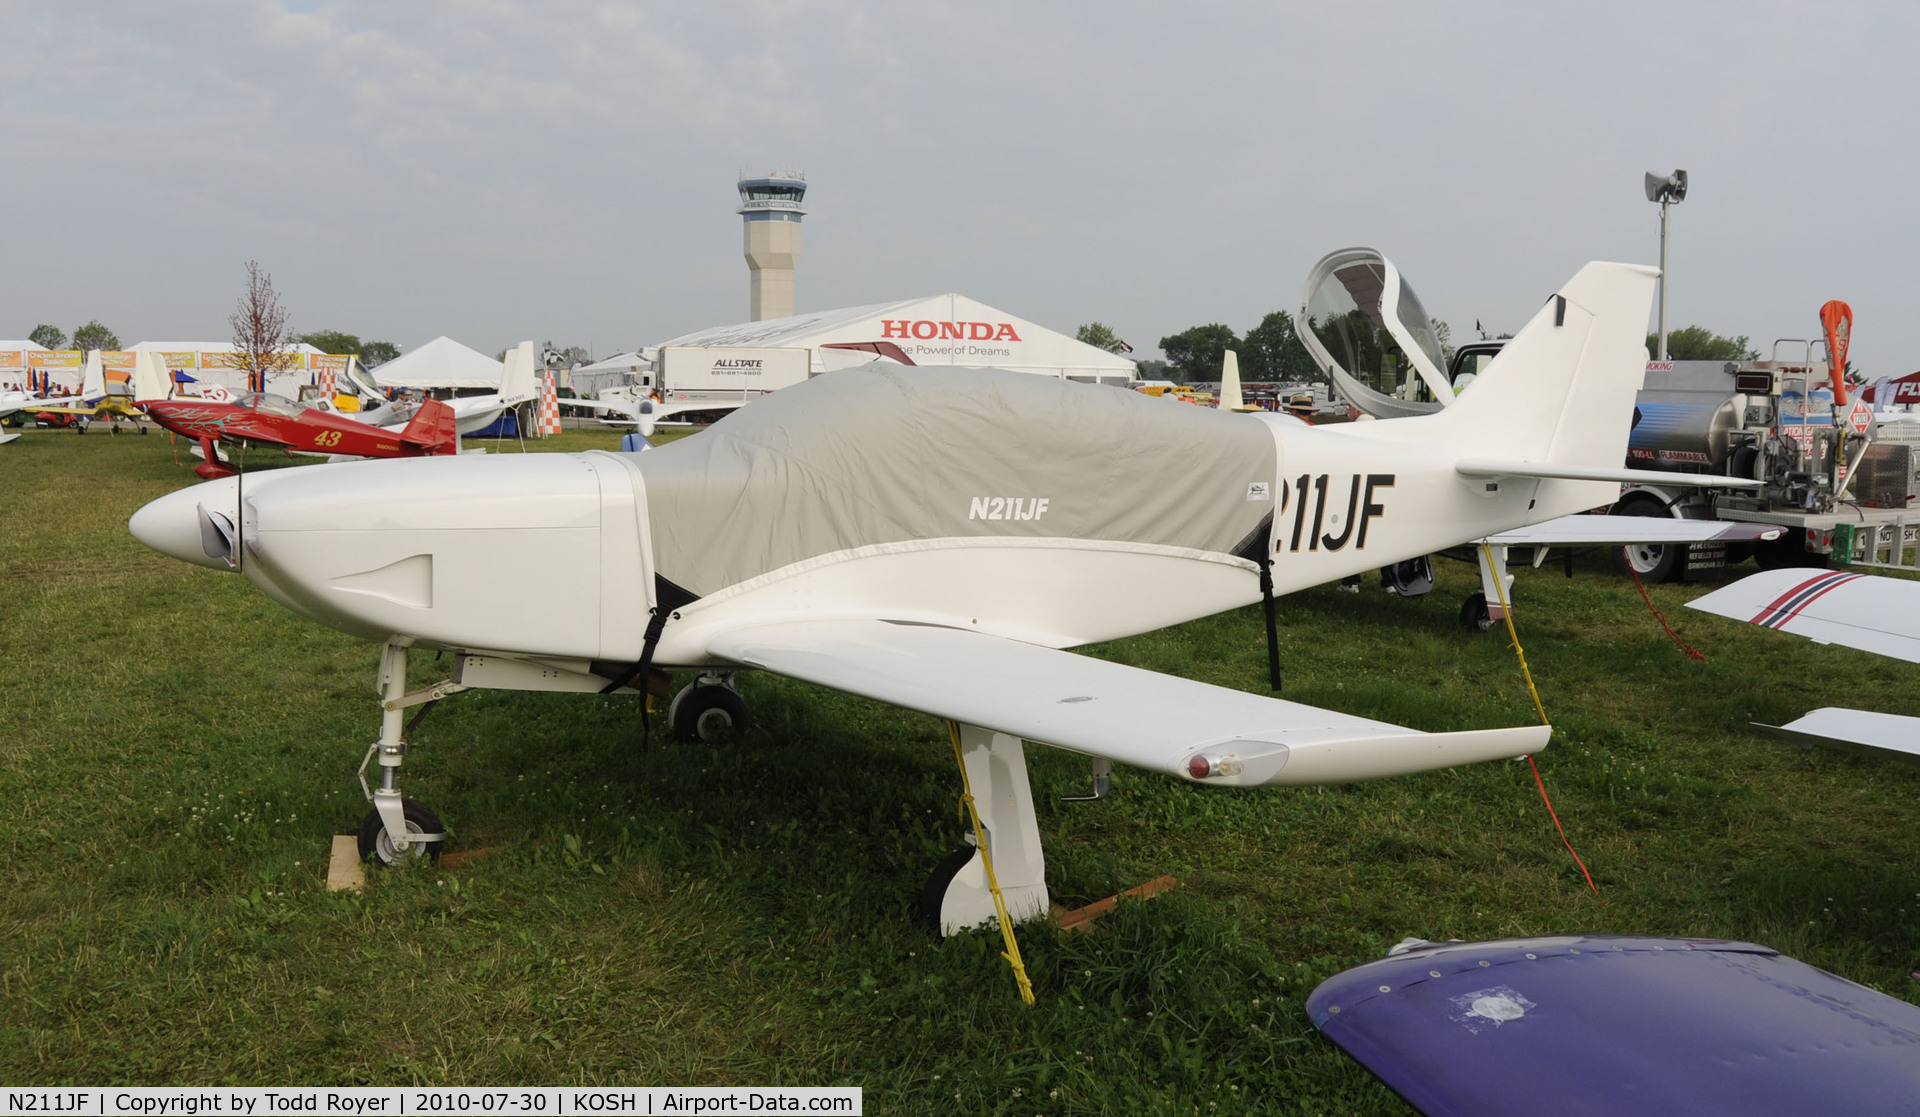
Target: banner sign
x=55, y=358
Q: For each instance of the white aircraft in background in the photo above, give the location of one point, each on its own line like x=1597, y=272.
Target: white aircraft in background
x=17, y=399
x=518, y=385
x=933, y=538
x=1879, y=615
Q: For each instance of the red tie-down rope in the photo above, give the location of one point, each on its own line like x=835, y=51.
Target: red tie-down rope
x=1692, y=652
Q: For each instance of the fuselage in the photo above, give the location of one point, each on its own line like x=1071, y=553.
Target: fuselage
x=428, y=550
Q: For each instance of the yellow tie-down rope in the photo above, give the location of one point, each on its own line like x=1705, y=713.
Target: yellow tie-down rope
x=1500, y=592
x=1012, y=953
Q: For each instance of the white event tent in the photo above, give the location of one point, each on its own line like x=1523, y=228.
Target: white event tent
x=948, y=329
x=13, y=364
x=442, y=363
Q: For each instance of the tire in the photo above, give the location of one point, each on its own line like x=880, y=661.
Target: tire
x=1654, y=562
x=375, y=846
x=708, y=713
x=1474, y=615
x=934, y=893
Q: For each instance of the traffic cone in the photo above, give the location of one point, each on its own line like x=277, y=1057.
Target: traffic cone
x=549, y=419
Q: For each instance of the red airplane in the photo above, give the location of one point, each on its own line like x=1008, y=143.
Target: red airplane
x=278, y=421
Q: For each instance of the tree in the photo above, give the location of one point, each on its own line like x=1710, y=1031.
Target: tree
x=94, y=336
x=259, y=324
x=1153, y=370
x=341, y=343
x=1195, y=353
x=1272, y=351
x=1101, y=336
x=48, y=336
x=337, y=342
x=1697, y=343
x=378, y=353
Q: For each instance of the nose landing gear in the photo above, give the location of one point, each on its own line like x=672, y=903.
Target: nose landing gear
x=398, y=830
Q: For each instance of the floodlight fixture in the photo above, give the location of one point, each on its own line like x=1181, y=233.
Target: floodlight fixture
x=1665, y=189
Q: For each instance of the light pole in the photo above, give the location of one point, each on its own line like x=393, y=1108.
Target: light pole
x=1665, y=189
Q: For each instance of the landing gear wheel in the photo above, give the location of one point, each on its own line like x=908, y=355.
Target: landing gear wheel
x=708, y=712
x=934, y=894
x=374, y=842
x=1473, y=613
x=1653, y=562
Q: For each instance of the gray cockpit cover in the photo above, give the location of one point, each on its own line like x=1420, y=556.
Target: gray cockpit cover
x=886, y=454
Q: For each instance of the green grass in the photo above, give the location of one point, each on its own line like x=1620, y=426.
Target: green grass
x=177, y=751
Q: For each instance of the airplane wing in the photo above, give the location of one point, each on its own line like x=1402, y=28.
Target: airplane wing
x=1880, y=615
x=1620, y=1024
x=1202, y=733
x=1596, y=531
x=1861, y=731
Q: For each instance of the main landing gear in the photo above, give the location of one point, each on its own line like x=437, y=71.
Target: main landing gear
x=957, y=896
x=708, y=710
x=398, y=830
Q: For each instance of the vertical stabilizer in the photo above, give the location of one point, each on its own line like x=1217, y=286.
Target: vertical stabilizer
x=432, y=429
x=93, y=379
x=517, y=383
x=1562, y=391
x=151, y=377
x=1230, y=382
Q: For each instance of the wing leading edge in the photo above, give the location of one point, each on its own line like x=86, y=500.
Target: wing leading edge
x=1125, y=714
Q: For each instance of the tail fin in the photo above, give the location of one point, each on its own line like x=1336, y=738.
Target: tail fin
x=1562, y=391
x=432, y=429
x=93, y=381
x=1230, y=382
x=151, y=377
x=517, y=378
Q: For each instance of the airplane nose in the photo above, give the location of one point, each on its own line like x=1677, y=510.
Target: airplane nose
x=193, y=525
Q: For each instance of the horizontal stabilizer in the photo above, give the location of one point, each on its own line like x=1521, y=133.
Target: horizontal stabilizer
x=1088, y=705
x=1879, y=615
x=1488, y=467
x=1860, y=731
x=1604, y=531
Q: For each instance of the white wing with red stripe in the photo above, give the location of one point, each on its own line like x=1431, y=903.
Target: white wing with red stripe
x=1879, y=615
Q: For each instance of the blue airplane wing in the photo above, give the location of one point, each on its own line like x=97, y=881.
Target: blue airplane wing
x=1610, y=1025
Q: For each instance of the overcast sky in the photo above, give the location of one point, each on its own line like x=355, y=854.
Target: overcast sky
x=565, y=170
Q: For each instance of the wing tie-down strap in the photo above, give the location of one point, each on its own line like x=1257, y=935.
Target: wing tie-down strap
x=1258, y=548
x=667, y=598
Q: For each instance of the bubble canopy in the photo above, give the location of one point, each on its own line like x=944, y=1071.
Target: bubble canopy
x=1365, y=327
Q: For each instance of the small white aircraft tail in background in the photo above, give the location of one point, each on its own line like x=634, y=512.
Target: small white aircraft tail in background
x=152, y=379
x=518, y=381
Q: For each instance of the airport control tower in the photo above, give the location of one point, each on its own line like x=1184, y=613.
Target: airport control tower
x=770, y=210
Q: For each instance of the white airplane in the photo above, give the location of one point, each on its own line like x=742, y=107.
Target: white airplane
x=518, y=385
x=933, y=538
x=1871, y=614
x=16, y=399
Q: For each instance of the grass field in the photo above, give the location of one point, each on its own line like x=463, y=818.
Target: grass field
x=176, y=751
